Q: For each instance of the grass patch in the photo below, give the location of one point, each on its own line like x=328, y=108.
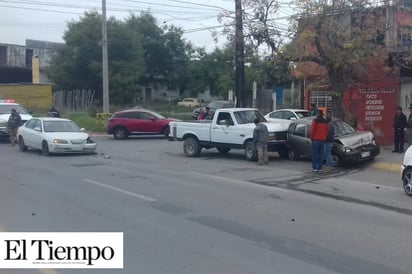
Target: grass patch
x=84, y=120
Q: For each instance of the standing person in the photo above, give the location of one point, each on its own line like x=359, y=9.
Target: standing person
x=260, y=138
x=313, y=110
x=13, y=124
x=53, y=112
x=318, y=134
x=399, y=125
x=330, y=138
x=410, y=126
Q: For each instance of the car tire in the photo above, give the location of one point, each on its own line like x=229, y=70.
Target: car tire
x=407, y=181
x=250, y=151
x=166, y=131
x=283, y=153
x=22, y=145
x=191, y=147
x=292, y=154
x=223, y=150
x=45, y=148
x=120, y=133
x=336, y=160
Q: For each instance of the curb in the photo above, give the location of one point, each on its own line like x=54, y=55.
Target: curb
x=387, y=166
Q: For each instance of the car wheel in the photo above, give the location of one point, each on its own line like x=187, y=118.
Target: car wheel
x=407, y=181
x=292, y=154
x=250, y=151
x=166, y=131
x=120, y=133
x=283, y=153
x=191, y=147
x=336, y=160
x=223, y=150
x=22, y=145
x=45, y=148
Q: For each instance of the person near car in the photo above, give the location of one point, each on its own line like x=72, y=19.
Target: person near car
x=205, y=115
x=260, y=138
x=399, y=125
x=318, y=134
x=13, y=124
x=313, y=110
x=330, y=138
x=53, y=112
x=410, y=126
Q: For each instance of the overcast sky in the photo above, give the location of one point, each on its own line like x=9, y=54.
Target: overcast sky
x=46, y=19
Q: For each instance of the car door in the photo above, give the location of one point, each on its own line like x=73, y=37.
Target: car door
x=299, y=139
x=225, y=130
x=149, y=123
x=289, y=115
x=37, y=134
x=26, y=132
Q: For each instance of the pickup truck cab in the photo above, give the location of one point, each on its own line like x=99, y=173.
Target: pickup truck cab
x=230, y=128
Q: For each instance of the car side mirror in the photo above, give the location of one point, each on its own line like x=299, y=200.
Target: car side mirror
x=153, y=119
x=37, y=129
x=292, y=118
x=83, y=129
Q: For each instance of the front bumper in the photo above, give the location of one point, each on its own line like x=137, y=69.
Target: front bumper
x=277, y=145
x=4, y=132
x=72, y=148
x=359, y=155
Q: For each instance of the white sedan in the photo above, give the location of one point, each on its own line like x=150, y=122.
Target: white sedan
x=286, y=114
x=54, y=135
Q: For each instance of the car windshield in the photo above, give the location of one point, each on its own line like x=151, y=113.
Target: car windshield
x=248, y=116
x=60, y=126
x=6, y=109
x=342, y=128
x=302, y=114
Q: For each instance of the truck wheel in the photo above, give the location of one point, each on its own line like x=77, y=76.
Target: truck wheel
x=191, y=147
x=292, y=154
x=223, y=150
x=250, y=151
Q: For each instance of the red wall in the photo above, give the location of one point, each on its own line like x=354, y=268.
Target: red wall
x=372, y=107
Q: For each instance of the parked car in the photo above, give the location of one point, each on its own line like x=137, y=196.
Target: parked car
x=350, y=146
x=54, y=135
x=406, y=172
x=214, y=105
x=189, y=102
x=5, y=109
x=136, y=122
x=286, y=114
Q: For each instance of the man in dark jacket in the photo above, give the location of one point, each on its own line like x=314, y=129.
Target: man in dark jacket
x=399, y=125
x=318, y=133
x=260, y=138
x=330, y=138
x=13, y=124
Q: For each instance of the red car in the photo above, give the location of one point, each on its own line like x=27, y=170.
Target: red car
x=136, y=122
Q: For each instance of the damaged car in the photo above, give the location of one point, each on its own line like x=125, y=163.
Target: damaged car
x=350, y=146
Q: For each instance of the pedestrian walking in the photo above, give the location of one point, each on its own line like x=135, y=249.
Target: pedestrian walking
x=13, y=124
x=260, y=139
x=409, y=125
x=318, y=134
x=330, y=139
x=399, y=125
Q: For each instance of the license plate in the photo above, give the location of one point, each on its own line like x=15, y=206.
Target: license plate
x=365, y=154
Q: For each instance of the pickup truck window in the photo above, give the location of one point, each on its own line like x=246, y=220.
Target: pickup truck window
x=224, y=118
x=248, y=116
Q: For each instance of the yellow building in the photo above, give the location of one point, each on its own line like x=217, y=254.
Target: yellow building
x=35, y=97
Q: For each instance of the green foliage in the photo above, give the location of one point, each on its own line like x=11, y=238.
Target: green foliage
x=84, y=120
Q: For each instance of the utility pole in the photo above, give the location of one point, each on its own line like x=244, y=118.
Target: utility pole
x=240, y=59
x=105, y=61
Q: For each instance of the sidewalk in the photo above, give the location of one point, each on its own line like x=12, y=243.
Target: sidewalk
x=387, y=160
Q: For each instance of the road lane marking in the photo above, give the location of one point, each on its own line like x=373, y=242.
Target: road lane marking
x=129, y=193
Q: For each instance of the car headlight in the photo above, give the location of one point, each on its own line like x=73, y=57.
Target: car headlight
x=89, y=141
x=347, y=149
x=60, y=141
x=373, y=142
x=3, y=123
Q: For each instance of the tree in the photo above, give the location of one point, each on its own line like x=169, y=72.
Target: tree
x=341, y=39
x=78, y=65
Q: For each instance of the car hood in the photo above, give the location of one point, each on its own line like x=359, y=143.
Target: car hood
x=356, y=139
x=67, y=135
x=24, y=117
x=272, y=127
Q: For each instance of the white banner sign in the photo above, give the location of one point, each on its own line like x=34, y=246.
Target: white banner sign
x=61, y=250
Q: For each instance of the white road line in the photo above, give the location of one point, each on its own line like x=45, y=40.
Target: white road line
x=129, y=193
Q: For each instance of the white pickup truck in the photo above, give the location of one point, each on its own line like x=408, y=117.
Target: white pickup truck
x=231, y=128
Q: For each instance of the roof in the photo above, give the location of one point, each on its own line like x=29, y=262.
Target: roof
x=134, y=110
x=290, y=109
x=52, y=119
x=235, y=109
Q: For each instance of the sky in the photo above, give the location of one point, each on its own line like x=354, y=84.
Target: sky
x=47, y=19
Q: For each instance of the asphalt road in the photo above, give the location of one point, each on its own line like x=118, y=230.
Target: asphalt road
x=213, y=214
